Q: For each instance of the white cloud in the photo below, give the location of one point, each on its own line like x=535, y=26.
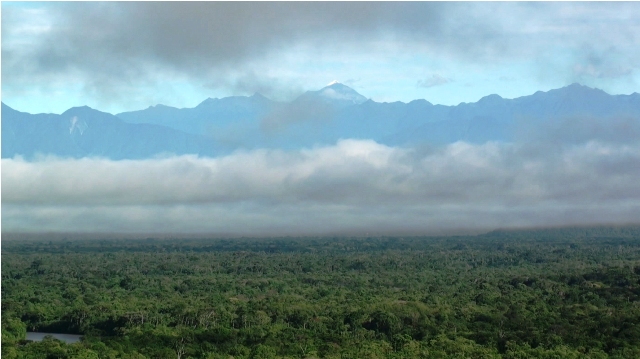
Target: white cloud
x=433, y=80
x=353, y=186
x=286, y=49
x=591, y=70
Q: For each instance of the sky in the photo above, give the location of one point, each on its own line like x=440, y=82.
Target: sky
x=125, y=56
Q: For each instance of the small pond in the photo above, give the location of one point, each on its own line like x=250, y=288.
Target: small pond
x=68, y=338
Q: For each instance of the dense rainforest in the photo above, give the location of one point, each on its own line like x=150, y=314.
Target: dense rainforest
x=557, y=293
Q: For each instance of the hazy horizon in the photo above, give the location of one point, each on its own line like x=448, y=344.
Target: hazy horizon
x=151, y=105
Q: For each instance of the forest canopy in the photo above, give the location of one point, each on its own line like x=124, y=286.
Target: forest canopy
x=570, y=293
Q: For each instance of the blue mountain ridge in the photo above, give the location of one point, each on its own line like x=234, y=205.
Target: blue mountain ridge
x=83, y=131
x=221, y=126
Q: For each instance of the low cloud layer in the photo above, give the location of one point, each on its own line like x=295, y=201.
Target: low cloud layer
x=355, y=186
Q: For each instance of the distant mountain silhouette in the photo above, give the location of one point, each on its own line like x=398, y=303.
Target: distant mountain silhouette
x=205, y=117
x=83, y=131
x=219, y=126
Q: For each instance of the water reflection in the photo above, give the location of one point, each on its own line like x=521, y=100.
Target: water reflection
x=68, y=338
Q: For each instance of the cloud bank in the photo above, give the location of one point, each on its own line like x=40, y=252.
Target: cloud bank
x=352, y=187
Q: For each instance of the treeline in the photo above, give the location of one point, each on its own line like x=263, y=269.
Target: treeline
x=564, y=293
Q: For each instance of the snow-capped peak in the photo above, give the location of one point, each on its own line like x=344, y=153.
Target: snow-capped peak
x=340, y=92
x=332, y=83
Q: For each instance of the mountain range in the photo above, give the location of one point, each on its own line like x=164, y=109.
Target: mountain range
x=220, y=126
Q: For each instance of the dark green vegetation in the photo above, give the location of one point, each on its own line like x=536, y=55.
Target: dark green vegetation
x=571, y=293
